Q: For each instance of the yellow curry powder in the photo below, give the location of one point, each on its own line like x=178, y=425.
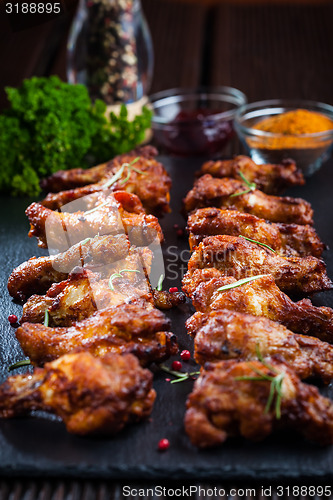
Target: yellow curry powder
x=290, y=125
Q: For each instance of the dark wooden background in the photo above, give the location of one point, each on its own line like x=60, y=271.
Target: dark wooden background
x=267, y=50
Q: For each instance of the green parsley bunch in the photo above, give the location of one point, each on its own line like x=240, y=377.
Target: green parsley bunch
x=51, y=125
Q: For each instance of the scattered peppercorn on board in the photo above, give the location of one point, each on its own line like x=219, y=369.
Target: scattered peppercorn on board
x=40, y=445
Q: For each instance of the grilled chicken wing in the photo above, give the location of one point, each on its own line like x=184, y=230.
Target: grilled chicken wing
x=84, y=292
x=141, y=174
x=36, y=275
x=91, y=395
x=286, y=239
x=225, y=193
x=224, y=334
x=240, y=258
x=108, y=216
x=127, y=328
x=261, y=297
x=271, y=179
x=232, y=398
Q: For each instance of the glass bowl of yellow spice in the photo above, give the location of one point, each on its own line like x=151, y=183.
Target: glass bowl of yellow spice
x=276, y=130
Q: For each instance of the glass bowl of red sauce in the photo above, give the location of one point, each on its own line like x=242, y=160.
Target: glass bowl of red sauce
x=195, y=122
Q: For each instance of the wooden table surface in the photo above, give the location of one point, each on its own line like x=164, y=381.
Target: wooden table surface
x=267, y=51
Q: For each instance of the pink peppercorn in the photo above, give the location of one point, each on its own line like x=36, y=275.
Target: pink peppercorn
x=185, y=355
x=12, y=318
x=176, y=365
x=163, y=444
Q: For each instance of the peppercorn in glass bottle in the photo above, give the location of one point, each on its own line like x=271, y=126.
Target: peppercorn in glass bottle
x=110, y=51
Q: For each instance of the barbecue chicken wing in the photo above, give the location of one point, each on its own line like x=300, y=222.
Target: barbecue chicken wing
x=271, y=179
x=261, y=297
x=233, y=398
x=138, y=172
x=84, y=292
x=286, y=239
x=36, y=275
x=127, y=328
x=224, y=334
x=226, y=193
x=91, y=395
x=108, y=216
x=240, y=258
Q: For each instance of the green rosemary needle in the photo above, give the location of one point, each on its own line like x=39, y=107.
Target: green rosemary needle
x=258, y=242
x=251, y=186
x=120, y=172
x=240, y=282
x=180, y=376
x=119, y=275
x=275, y=389
x=46, y=318
x=85, y=241
x=160, y=283
x=96, y=208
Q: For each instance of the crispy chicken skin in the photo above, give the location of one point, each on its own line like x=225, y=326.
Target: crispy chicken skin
x=78, y=177
x=63, y=230
x=149, y=181
x=261, y=297
x=271, y=179
x=224, y=334
x=240, y=258
x=84, y=292
x=211, y=192
x=91, y=395
x=286, y=239
x=127, y=328
x=36, y=275
x=221, y=405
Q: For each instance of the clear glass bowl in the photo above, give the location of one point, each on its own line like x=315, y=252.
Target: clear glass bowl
x=308, y=150
x=194, y=122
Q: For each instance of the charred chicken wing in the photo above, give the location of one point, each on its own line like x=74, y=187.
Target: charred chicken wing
x=271, y=179
x=261, y=297
x=108, y=216
x=91, y=395
x=127, y=328
x=232, y=194
x=251, y=399
x=286, y=239
x=240, y=259
x=137, y=172
x=37, y=274
x=224, y=334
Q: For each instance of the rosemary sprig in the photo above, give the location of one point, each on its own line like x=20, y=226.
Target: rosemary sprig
x=120, y=172
x=180, y=376
x=251, y=186
x=258, y=242
x=240, y=282
x=85, y=241
x=46, y=318
x=119, y=275
x=275, y=389
x=160, y=283
x=23, y=362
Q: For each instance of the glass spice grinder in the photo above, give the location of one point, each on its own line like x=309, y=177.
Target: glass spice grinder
x=110, y=51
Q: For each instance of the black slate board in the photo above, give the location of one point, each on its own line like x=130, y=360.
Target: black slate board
x=41, y=447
